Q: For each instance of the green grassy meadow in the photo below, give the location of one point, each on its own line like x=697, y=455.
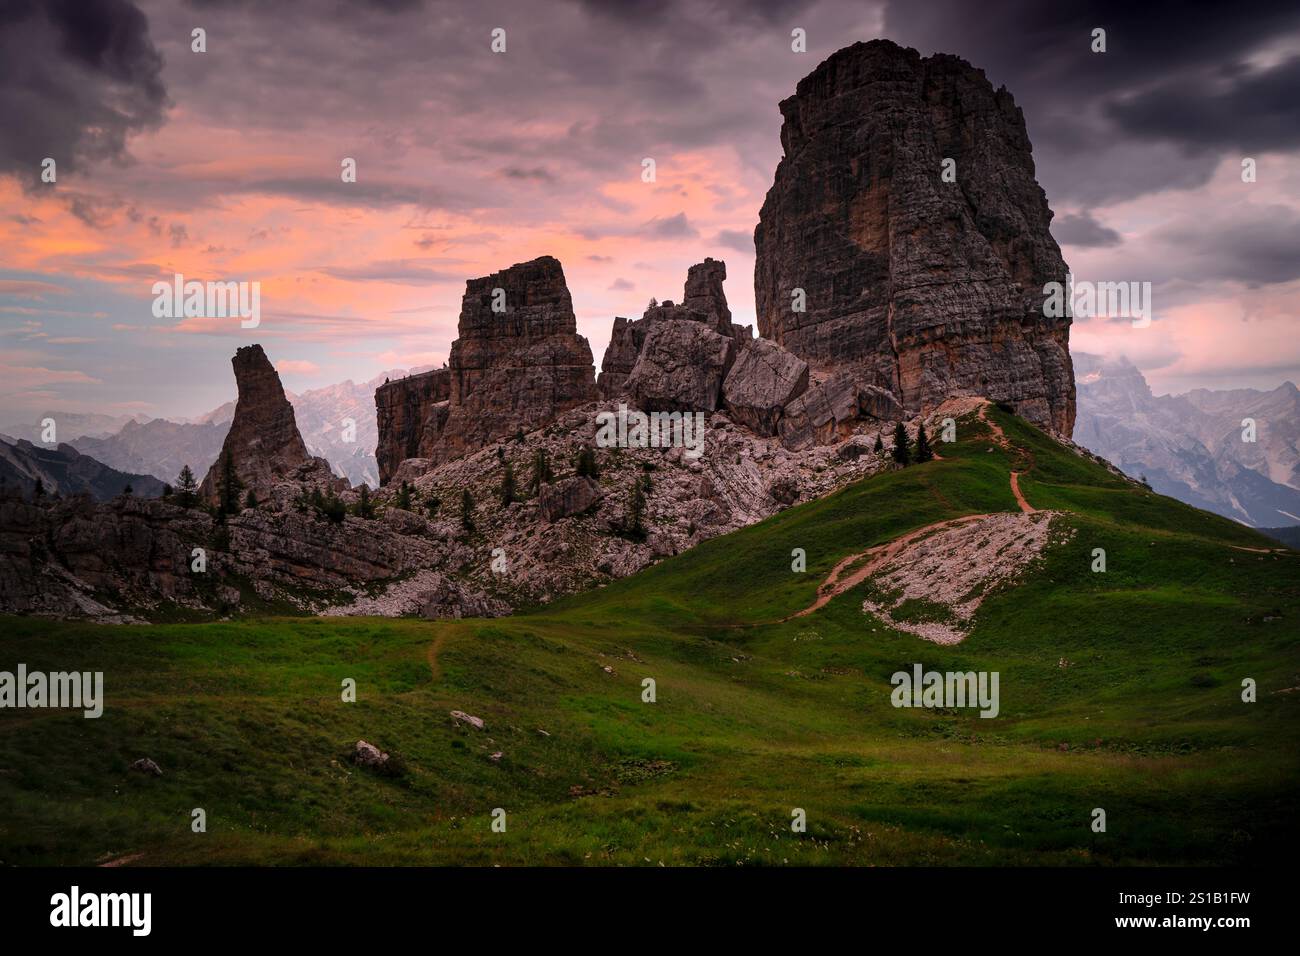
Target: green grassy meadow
x=1119, y=690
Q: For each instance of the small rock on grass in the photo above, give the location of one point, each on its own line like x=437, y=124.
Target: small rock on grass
x=145, y=765
x=463, y=718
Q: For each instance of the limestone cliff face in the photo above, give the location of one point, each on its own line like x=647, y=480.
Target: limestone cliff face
x=926, y=288
x=515, y=368
x=410, y=414
x=264, y=443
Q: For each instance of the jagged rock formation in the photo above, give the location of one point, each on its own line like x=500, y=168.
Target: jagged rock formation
x=411, y=413
x=74, y=556
x=513, y=369
x=625, y=341
x=263, y=443
x=673, y=359
x=55, y=556
x=703, y=301
x=926, y=288
x=703, y=294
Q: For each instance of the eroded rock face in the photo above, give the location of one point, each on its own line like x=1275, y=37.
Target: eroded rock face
x=703, y=301
x=703, y=294
x=620, y=355
x=926, y=288
x=568, y=497
x=411, y=413
x=518, y=368
x=681, y=368
x=264, y=443
x=764, y=379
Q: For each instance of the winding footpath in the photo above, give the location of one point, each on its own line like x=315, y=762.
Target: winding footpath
x=837, y=582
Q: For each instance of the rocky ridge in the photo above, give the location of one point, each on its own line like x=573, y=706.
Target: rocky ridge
x=496, y=491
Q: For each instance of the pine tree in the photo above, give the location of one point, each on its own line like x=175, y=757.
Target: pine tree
x=167, y=490
x=404, y=497
x=187, y=488
x=229, y=487
x=39, y=490
x=250, y=499
x=431, y=505
x=634, y=520
x=509, y=493
x=923, y=451
x=467, y=510
x=128, y=490
x=337, y=509
x=541, y=472
x=900, y=444
x=880, y=445
x=365, y=507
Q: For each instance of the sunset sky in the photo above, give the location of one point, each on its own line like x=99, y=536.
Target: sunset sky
x=226, y=165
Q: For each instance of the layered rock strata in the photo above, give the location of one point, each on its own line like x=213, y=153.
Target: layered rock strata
x=926, y=287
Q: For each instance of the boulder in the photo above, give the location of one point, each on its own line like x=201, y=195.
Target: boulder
x=875, y=402
x=145, y=765
x=463, y=718
x=567, y=497
x=368, y=755
x=816, y=416
x=681, y=368
x=764, y=379
x=783, y=489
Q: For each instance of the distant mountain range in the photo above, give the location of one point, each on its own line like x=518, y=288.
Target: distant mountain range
x=1186, y=446
x=1191, y=446
x=64, y=470
x=160, y=447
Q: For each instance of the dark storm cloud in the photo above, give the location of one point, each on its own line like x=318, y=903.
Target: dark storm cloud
x=76, y=78
x=1083, y=230
x=1252, y=111
x=1176, y=80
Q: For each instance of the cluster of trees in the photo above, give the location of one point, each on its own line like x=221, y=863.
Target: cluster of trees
x=906, y=453
x=185, y=492
x=584, y=465
x=329, y=506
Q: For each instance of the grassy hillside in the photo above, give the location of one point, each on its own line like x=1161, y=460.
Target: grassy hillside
x=1118, y=690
